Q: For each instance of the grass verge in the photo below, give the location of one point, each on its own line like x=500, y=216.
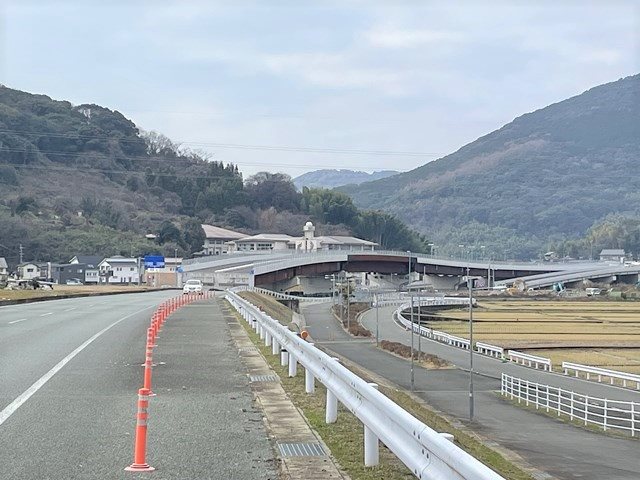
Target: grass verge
x=345, y=438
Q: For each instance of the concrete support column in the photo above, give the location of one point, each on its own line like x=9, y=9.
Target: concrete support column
x=293, y=366
x=371, y=444
x=275, y=347
x=284, y=357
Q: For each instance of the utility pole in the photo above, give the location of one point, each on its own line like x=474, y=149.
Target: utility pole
x=21, y=249
x=470, y=286
x=375, y=299
x=412, y=324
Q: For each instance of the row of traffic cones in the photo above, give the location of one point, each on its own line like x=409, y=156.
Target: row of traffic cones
x=157, y=320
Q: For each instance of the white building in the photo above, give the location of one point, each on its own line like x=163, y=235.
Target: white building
x=4, y=269
x=612, y=255
x=27, y=271
x=217, y=239
x=119, y=270
x=310, y=243
x=263, y=242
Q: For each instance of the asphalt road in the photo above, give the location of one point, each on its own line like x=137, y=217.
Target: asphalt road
x=561, y=450
x=70, y=371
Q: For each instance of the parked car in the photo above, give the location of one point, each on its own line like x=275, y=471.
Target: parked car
x=74, y=281
x=192, y=286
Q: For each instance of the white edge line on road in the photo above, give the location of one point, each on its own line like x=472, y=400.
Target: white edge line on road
x=45, y=314
x=70, y=309
x=16, y=321
x=18, y=402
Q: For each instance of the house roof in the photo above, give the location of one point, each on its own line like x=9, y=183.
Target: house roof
x=119, y=259
x=267, y=237
x=90, y=261
x=211, y=231
x=612, y=251
x=350, y=240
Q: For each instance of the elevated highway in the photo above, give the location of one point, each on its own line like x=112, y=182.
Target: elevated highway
x=279, y=270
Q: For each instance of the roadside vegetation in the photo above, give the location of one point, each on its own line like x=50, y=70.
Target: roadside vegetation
x=345, y=437
x=67, y=290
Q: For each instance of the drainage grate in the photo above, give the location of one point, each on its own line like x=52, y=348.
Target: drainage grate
x=301, y=449
x=263, y=378
x=247, y=350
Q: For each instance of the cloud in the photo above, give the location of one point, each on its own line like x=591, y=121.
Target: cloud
x=393, y=37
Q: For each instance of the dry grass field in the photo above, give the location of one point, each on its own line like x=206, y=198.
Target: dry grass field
x=59, y=290
x=597, y=333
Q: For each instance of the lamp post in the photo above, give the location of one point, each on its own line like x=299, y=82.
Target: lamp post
x=470, y=280
x=175, y=259
x=412, y=374
x=375, y=299
x=409, y=271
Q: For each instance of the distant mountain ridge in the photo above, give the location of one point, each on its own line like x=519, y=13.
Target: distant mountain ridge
x=548, y=174
x=328, y=178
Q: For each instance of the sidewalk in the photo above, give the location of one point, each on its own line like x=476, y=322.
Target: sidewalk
x=203, y=422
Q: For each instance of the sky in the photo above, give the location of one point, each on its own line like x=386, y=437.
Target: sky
x=295, y=86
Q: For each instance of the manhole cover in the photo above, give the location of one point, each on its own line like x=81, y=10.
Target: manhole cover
x=301, y=449
x=263, y=378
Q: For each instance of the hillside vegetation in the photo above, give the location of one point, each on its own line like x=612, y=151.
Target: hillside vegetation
x=539, y=181
x=85, y=180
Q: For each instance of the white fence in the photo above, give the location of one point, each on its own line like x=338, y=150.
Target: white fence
x=424, y=451
x=605, y=413
x=613, y=375
x=482, y=348
x=529, y=360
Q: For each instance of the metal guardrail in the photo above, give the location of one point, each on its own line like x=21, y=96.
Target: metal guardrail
x=605, y=413
x=424, y=451
x=285, y=296
x=529, y=360
x=601, y=372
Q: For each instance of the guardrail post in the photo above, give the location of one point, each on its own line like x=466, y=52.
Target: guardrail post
x=275, y=347
x=309, y=380
x=284, y=357
x=586, y=409
x=633, y=420
x=267, y=339
x=261, y=331
x=604, y=412
x=371, y=444
x=293, y=365
x=332, y=404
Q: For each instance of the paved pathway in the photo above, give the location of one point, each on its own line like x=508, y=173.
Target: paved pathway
x=563, y=451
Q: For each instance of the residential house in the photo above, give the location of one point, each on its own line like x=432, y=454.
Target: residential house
x=119, y=269
x=91, y=262
x=612, y=255
x=167, y=275
x=4, y=270
x=29, y=270
x=216, y=241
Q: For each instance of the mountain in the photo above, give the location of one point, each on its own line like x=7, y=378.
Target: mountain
x=85, y=180
x=334, y=178
x=550, y=174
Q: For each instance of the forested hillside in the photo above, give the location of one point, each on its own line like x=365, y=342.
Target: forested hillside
x=328, y=178
x=84, y=179
x=542, y=180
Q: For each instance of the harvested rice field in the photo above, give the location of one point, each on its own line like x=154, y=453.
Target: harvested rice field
x=597, y=333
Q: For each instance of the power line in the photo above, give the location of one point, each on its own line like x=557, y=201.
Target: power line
x=283, y=148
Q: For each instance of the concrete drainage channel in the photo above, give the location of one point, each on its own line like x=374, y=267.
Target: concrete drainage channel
x=303, y=455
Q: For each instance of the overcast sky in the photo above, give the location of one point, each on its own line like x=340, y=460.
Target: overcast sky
x=387, y=77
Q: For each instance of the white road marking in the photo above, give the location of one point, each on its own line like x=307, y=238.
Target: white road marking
x=45, y=314
x=18, y=402
x=70, y=309
x=16, y=321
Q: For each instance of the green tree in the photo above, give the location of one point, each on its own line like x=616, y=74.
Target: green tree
x=193, y=236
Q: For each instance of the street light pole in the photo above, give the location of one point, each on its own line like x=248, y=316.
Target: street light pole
x=412, y=375
x=471, y=402
x=375, y=299
x=175, y=259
